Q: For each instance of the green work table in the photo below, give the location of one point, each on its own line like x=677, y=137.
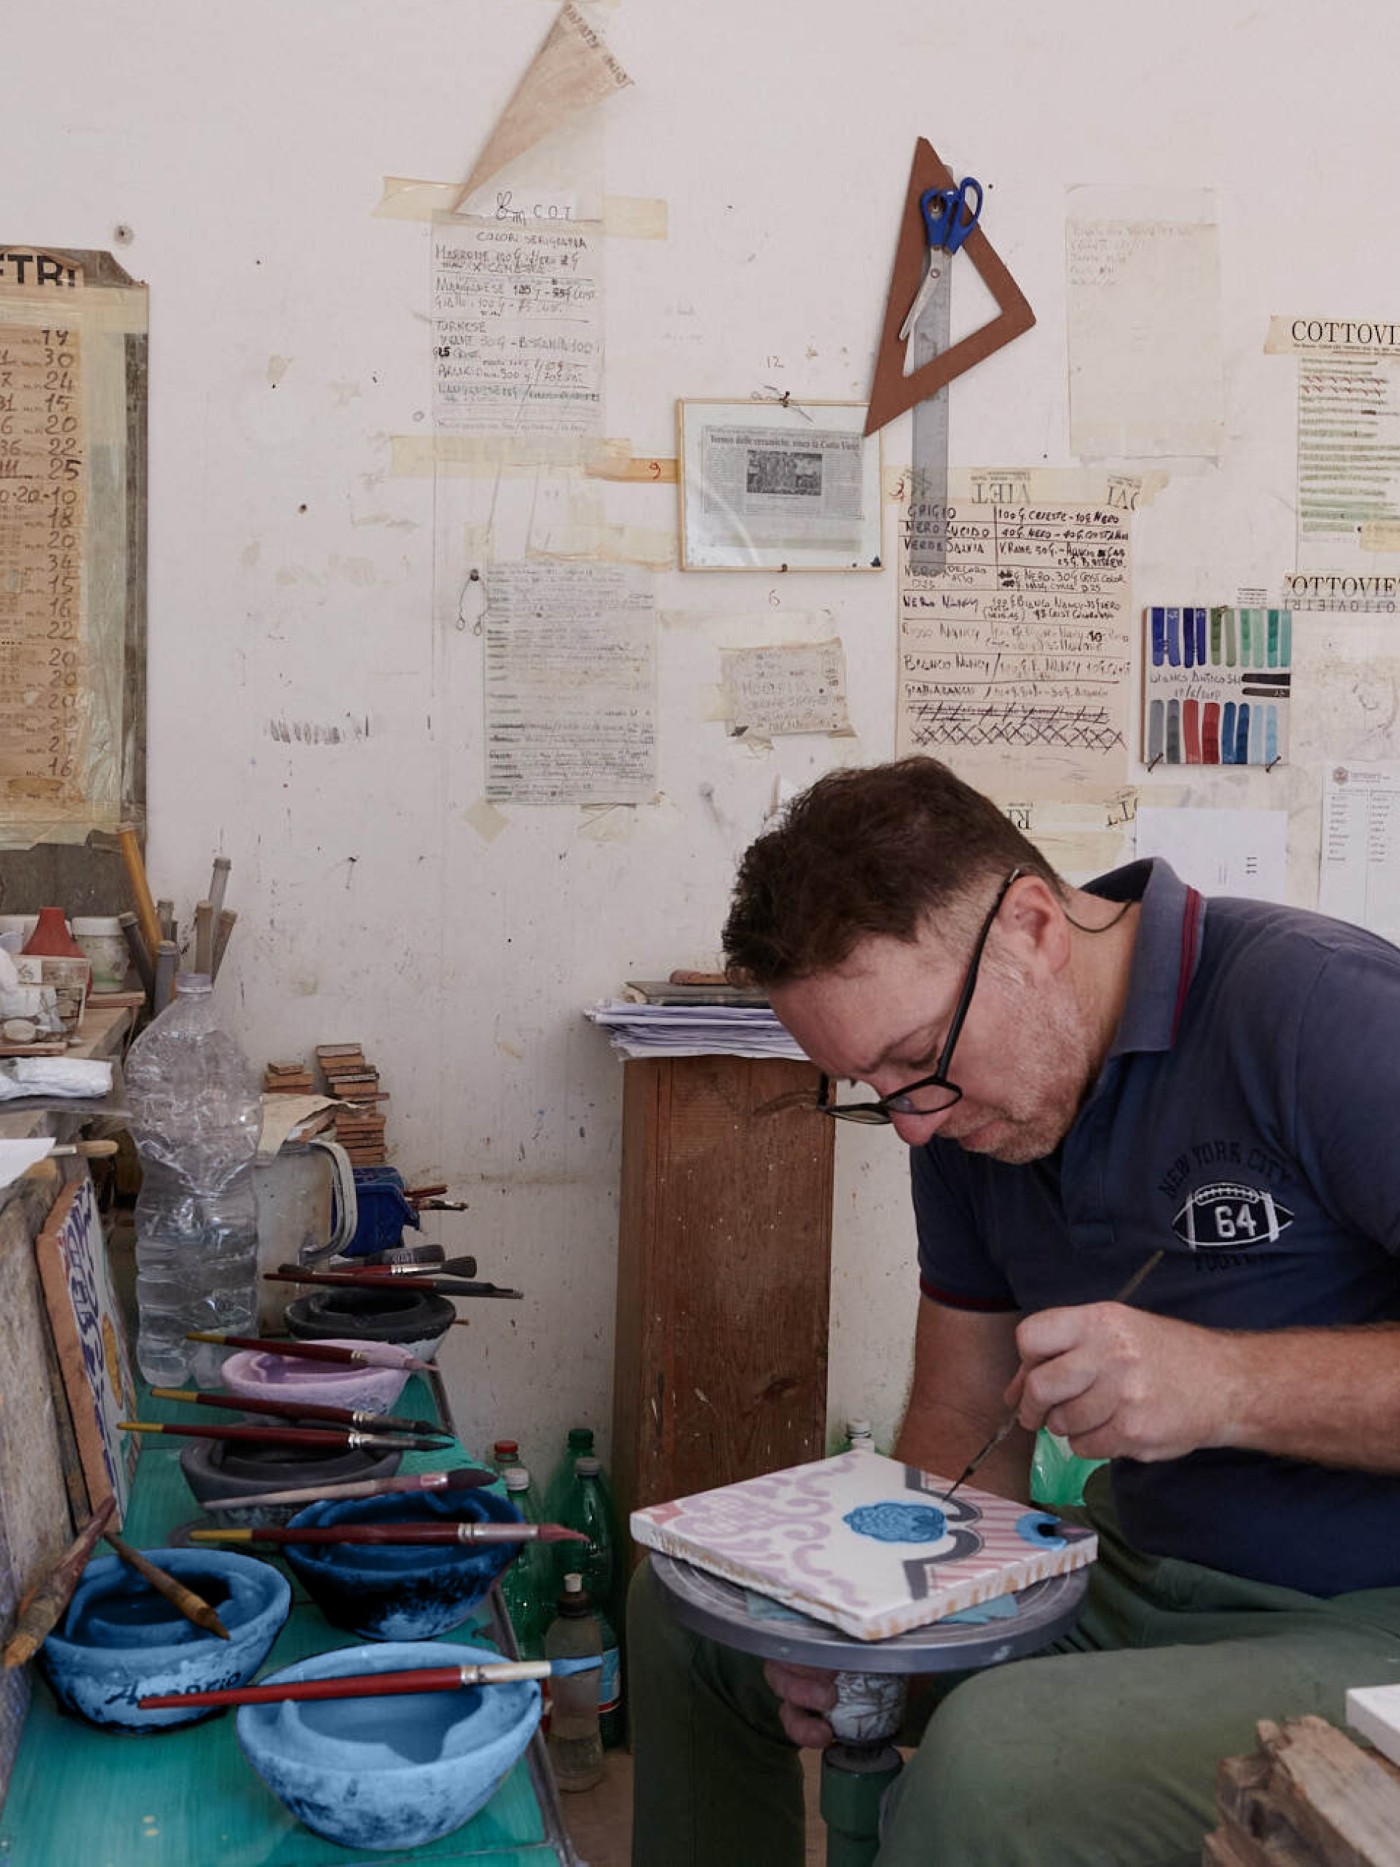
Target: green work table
x=186, y=1797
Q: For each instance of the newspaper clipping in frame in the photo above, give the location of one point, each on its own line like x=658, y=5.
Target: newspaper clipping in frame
x=782, y=489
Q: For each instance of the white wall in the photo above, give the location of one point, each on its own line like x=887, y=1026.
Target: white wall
x=292, y=576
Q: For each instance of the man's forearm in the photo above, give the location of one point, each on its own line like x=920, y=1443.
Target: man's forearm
x=944, y=1441
x=1331, y=1396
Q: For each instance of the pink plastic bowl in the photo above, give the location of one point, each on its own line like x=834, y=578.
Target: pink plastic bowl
x=257, y=1375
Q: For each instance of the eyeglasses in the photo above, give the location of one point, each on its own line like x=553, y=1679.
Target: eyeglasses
x=935, y=1092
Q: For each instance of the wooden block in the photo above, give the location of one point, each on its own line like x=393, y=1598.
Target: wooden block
x=1309, y=1798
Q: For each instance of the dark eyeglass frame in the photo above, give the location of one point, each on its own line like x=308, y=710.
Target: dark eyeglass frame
x=887, y=1107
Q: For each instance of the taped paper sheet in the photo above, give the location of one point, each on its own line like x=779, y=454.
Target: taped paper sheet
x=517, y=329
x=570, y=685
x=1348, y=438
x=1143, y=305
x=1218, y=850
x=787, y=688
x=572, y=70
x=1360, y=875
x=1014, y=661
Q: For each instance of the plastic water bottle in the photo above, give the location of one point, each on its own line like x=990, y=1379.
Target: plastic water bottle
x=195, y=1118
x=561, y=1479
x=575, y=1743
x=588, y=1508
x=525, y=1585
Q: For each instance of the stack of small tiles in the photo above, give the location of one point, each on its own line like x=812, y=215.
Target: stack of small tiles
x=288, y=1079
x=350, y=1078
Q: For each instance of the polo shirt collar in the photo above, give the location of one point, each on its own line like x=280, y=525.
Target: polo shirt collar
x=1166, y=951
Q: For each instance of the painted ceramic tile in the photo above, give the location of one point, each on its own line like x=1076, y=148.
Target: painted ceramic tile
x=90, y=1337
x=864, y=1542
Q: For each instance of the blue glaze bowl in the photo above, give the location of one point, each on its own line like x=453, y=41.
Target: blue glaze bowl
x=120, y=1640
x=389, y=1772
x=401, y=1591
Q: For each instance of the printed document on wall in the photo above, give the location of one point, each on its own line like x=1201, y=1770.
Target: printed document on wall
x=1014, y=660
x=1360, y=879
x=570, y=685
x=1143, y=303
x=517, y=328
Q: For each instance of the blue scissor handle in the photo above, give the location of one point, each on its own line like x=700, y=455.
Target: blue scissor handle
x=943, y=210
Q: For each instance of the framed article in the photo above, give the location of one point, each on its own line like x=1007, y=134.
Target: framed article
x=778, y=485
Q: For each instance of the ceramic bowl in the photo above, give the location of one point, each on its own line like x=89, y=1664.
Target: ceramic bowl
x=385, y=1773
x=260, y=1376
x=401, y=1591
x=229, y=1468
x=120, y=1640
x=417, y=1320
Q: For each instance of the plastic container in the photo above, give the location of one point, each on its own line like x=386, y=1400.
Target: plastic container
x=195, y=1117
x=561, y=1479
x=575, y=1740
x=100, y=936
x=525, y=1586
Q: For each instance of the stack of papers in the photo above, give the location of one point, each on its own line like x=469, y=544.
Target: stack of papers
x=694, y=1030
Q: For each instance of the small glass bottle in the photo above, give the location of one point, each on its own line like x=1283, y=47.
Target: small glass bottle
x=859, y=1437
x=575, y=1742
x=504, y=1454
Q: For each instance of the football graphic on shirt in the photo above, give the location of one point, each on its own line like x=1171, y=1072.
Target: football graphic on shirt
x=1232, y=1216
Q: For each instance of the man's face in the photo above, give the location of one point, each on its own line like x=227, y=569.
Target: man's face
x=1023, y=1060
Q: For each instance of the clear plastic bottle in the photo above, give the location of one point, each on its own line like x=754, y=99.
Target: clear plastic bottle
x=587, y=1507
x=575, y=1743
x=525, y=1585
x=195, y=1119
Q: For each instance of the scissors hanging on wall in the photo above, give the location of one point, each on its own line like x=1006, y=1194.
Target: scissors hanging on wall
x=943, y=211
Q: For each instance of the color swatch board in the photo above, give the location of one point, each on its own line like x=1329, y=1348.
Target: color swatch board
x=1217, y=685
x=868, y=1544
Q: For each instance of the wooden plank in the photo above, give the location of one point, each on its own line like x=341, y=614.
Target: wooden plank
x=724, y=1253
x=1309, y=1798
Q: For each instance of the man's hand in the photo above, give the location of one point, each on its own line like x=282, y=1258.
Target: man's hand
x=1120, y=1383
x=804, y=1692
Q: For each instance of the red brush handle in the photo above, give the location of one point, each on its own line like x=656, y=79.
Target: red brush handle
x=356, y=1685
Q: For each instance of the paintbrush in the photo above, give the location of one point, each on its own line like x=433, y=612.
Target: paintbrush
x=1004, y=1429
x=371, y=1280
x=327, y=1438
x=306, y=1410
x=371, y=1355
x=41, y=1608
x=415, y=1532
x=377, y=1685
x=194, y=1607
x=466, y=1477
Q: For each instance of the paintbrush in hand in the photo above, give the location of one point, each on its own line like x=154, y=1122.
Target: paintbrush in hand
x=377, y=1685
x=1009, y=1422
x=416, y=1532
x=369, y=1355
x=194, y=1607
x=328, y=1438
x=306, y=1410
x=41, y=1608
x=464, y=1478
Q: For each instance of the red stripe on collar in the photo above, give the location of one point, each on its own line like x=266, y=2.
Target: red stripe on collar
x=1190, y=935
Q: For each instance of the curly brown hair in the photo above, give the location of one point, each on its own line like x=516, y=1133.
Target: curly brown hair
x=868, y=852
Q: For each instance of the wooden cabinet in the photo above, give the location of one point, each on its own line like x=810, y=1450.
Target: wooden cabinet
x=723, y=1285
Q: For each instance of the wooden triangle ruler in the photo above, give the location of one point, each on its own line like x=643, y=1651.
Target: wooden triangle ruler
x=892, y=391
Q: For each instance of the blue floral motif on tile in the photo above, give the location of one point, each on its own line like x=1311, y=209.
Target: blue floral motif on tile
x=898, y=1523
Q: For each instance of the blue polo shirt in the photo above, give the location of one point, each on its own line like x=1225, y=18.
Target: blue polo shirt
x=1245, y=1121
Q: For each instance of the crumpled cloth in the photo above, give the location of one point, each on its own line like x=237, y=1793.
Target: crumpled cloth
x=53, y=1076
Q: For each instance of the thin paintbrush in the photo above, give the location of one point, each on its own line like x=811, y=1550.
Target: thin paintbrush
x=466, y=1477
x=370, y=1355
x=1004, y=1429
x=40, y=1609
x=377, y=1685
x=327, y=1438
x=194, y=1607
x=395, y=1533
x=362, y=1280
x=306, y=1410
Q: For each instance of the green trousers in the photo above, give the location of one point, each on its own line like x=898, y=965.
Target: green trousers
x=1102, y=1752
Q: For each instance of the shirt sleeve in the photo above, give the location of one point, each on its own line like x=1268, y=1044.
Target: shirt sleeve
x=1347, y=1091
x=954, y=1265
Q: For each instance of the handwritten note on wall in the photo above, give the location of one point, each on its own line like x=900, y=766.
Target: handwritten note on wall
x=793, y=688
x=517, y=328
x=570, y=685
x=43, y=479
x=1014, y=660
